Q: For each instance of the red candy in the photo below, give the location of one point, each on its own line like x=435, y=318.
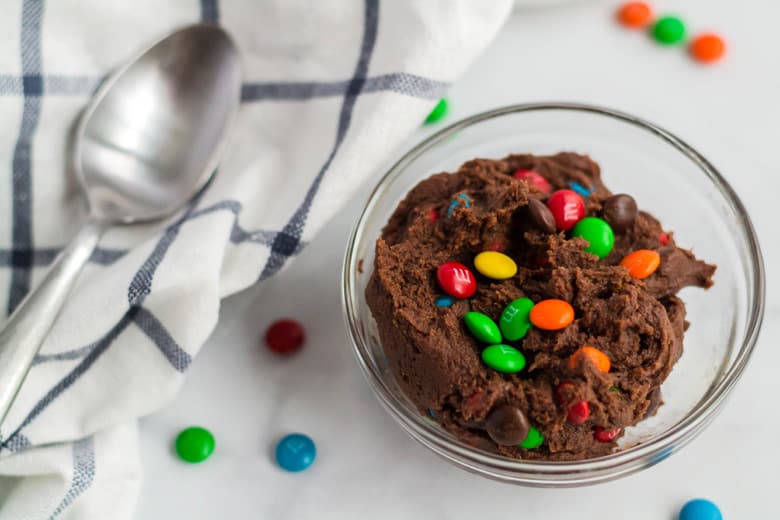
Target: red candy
x=534, y=179
x=433, y=216
x=663, y=238
x=456, y=279
x=579, y=412
x=285, y=337
x=602, y=435
x=567, y=208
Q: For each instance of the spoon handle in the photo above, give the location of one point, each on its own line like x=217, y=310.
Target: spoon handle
x=28, y=326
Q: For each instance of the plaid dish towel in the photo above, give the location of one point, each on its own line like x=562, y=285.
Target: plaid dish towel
x=330, y=89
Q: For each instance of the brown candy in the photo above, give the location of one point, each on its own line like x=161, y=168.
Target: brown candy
x=655, y=402
x=507, y=425
x=541, y=216
x=620, y=212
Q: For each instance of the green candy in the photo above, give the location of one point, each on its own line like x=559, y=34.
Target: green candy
x=195, y=444
x=504, y=358
x=598, y=234
x=534, y=439
x=514, y=321
x=482, y=327
x=669, y=30
x=438, y=112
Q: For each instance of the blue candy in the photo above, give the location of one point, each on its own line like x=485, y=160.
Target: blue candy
x=461, y=199
x=700, y=509
x=444, y=301
x=295, y=452
x=581, y=190
x=430, y=412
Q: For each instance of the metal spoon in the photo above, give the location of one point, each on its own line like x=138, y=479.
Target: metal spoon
x=147, y=142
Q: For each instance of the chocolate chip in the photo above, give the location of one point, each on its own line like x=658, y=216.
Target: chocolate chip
x=620, y=212
x=507, y=425
x=540, y=216
x=655, y=402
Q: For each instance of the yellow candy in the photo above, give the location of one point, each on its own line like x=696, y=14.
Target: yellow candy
x=495, y=265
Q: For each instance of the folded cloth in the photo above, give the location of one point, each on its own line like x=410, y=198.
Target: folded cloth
x=331, y=88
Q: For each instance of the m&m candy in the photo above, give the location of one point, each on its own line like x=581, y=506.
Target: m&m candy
x=533, y=440
x=444, y=301
x=641, y=263
x=285, y=337
x=567, y=208
x=635, y=14
x=602, y=435
x=578, y=412
x=579, y=189
x=433, y=215
x=707, y=48
x=461, y=200
x=503, y=358
x=515, y=320
x=495, y=265
x=540, y=216
x=551, y=314
x=598, y=233
x=507, y=425
x=597, y=357
x=456, y=279
x=195, y=444
x=620, y=212
x=534, y=179
x=438, y=112
x=669, y=30
x=482, y=327
x=295, y=452
x=700, y=509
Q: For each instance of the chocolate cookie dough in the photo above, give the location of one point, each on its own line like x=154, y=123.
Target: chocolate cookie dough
x=635, y=325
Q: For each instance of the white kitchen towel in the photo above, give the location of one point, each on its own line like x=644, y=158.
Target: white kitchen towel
x=331, y=88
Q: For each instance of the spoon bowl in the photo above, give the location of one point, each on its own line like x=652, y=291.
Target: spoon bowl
x=152, y=134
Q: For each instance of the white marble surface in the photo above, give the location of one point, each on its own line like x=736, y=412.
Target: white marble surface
x=367, y=467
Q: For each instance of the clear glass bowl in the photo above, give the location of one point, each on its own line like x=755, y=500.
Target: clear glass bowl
x=670, y=180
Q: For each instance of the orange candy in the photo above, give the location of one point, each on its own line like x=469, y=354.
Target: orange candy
x=641, y=263
x=552, y=314
x=596, y=356
x=707, y=48
x=635, y=14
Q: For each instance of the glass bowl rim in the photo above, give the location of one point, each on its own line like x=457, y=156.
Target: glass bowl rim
x=539, y=472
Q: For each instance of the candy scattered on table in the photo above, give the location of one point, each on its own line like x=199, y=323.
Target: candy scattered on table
x=194, y=444
x=534, y=179
x=707, y=48
x=444, y=301
x=669, y=30
x=495, y=265
x=597, y=357
x=579, y=189
x=602, y=435
x=540, y=215
x=700, y=509
x=482, y=327
x=439, y=112
x=551, y=314
x=504, y=359
x=295, y=452
x=635, y=14
x=515, y=321
x=285, y=337
x=507, y=425
x=456, y=279
x=460, y=201
x=533, y=440
x=641, y=263
x=620, y=212
x=567, y=208
x=598, y=233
